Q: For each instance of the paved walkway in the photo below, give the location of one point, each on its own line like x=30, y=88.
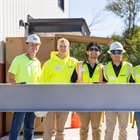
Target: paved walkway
x=73, y=134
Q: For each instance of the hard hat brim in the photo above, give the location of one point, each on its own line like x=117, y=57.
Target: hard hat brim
x=109, y=51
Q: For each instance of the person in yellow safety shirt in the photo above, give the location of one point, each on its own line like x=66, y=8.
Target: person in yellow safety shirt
x=117, y=71
x=25, y=68
x=136, y=77
x=90, y=71
x=58, y=69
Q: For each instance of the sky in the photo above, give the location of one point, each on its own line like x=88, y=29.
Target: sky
x=108, y=23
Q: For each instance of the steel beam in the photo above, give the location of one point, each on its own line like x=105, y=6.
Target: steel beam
x=70, y=97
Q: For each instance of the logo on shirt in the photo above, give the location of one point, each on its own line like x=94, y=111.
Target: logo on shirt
x=123, y=75
x=70, y=66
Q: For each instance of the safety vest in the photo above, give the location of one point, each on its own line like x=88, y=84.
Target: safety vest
x=136, y=74
x=124, y=74
x=83, y=73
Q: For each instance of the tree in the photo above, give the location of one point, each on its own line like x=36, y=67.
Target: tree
x=132, y=46
x=78, y=51
x=104, y=56
x=128, y=10
x=98, y=19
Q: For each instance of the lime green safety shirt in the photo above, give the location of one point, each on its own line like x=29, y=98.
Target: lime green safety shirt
x=25, y=69
x=57, y=70
x=124, y=74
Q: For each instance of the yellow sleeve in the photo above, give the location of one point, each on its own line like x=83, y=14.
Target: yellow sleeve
x=44, y=74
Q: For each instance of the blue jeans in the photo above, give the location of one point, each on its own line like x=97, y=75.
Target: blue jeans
x=18, y=118
x=137, y=117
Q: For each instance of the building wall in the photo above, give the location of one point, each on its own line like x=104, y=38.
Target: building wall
x=11, y=11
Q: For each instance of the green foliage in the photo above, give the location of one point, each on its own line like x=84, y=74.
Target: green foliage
x=78, y=51
x=132, y=45
x=104, y=56
x=127, y=10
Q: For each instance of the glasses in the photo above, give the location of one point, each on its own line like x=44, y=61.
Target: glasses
x=116, y=52
x=93, y=49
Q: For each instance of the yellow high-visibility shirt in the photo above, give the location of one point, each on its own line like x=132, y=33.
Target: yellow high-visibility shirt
x=136, y=74
x=25, y=69
x=57, y=70
x=83, y=73
x=124, y=74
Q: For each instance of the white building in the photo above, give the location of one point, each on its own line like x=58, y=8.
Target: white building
x=12, y=11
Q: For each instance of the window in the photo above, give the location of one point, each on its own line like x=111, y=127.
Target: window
x=61, y=4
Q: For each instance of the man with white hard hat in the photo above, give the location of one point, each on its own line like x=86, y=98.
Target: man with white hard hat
x=34, y=39
x=117, y=71
x=25, y=68
x=116, y=46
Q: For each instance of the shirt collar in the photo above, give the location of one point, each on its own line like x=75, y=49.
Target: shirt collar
x=87, y=62
x=115, y=65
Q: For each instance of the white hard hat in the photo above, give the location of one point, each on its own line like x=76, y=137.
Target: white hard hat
x=34, y=39
x=40, y=114
x=116, y=46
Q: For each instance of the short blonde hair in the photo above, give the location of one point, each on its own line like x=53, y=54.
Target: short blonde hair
x=63, y=41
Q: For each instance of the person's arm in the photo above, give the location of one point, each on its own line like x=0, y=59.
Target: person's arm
x=39, y=72
x=104, y=80
x=131, y=80
x=74, y=76
x=10, y=77
x=45, y=73
x=13, y=69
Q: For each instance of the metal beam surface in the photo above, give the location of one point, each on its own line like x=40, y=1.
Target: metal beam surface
x=70, y=97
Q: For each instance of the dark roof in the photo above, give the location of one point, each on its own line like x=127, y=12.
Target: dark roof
x=85, y=39
x=68, y=25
